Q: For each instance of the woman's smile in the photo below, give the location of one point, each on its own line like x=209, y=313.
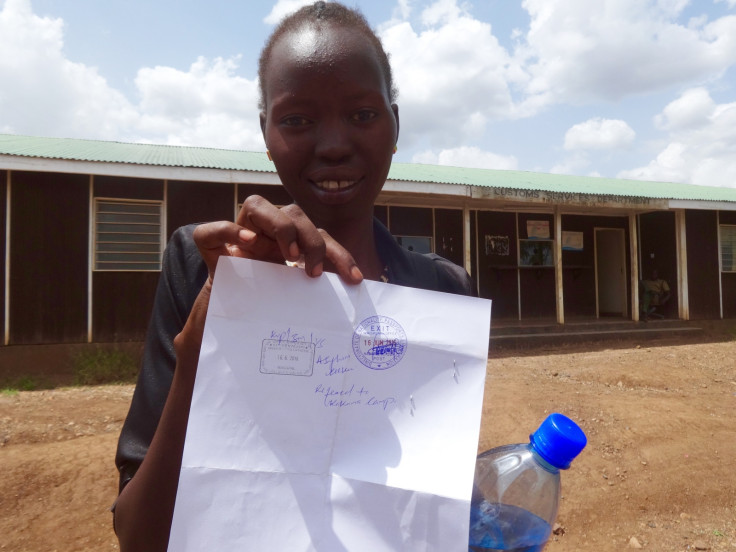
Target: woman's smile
x=334, y=185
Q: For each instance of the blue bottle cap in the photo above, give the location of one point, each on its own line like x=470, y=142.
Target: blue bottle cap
x=558, y=440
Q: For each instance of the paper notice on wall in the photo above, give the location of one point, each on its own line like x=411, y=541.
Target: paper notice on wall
x=572, y=241
x=537, y=229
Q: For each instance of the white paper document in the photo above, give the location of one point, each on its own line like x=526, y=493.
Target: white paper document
x=331, y=418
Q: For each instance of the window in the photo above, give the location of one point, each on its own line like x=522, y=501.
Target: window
x=127, y=235
x=728, y=248
x=536, y=253
x=420, y=244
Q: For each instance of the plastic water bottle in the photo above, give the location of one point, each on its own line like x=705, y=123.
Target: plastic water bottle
x=516, y=491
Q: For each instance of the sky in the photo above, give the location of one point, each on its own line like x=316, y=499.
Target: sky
x=636, y=89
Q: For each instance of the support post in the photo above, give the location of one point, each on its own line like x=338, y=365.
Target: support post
x=634, y=262
x=560, y=303
x=683, y=302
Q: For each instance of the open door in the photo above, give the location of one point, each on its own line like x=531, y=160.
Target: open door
x=610, y=272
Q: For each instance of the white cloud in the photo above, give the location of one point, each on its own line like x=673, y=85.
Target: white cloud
x=452, y=76
x=207, y=105
x=693, y=109
x=42, y=92
x=581, y=51
x=575, y=163
x=702, y=153
x=442, y=11
x=465, y=156
x=403, y=9
x=599, y=134
x=282, y=8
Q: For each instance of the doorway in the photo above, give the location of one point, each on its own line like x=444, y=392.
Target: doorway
x=610, y=272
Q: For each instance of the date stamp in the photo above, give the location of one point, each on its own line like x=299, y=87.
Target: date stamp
x=287, y=358
x=379, y=342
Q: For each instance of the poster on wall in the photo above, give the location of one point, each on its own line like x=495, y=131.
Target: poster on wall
x=497, y=245
x=537, y=229
x=572, y=241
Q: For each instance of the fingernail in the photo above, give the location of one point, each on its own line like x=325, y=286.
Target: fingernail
x=246, y=235
x=294, y=250
x=317, y=270
x=355, y=273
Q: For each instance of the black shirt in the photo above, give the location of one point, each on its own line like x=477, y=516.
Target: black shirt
x=182, y=277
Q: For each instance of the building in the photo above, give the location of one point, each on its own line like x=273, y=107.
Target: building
x=83, y=225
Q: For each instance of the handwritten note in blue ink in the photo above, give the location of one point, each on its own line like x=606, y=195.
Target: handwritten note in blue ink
x=328, y=417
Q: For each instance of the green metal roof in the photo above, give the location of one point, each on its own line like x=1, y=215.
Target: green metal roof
x=234, y=160
x=73, y=149
x=521, y=180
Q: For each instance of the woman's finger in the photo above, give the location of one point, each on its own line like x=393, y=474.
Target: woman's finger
x=264, y=218
x=342, y=260
x=215, y=239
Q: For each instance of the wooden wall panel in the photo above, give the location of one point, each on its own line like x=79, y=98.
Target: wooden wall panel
x=410, y=221
x=728, y=285
x=537, y=293
x=189, y=202
x=122, y=303
x=727, y=217
x=702, y=264
x=48, y=258
x=497, y=274
x=448, y=234
x=275, y=194
x=128, y=188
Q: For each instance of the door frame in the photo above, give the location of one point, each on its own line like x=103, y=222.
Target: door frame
x=624, y=277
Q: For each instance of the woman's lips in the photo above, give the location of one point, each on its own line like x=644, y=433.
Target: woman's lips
x=334, y=185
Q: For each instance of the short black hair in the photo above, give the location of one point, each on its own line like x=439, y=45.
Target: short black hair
x=333, y=13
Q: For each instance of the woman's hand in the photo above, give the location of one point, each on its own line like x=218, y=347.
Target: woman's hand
x=268, y=233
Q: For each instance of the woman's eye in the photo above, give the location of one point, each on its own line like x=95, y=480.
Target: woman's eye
x=365, y=115
x=295, y=121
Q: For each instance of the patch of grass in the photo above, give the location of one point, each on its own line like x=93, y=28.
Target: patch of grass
x=8, y=392
x=99, y=365
x=23, y=383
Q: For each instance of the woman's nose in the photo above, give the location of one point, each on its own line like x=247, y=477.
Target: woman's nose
x=333, y=140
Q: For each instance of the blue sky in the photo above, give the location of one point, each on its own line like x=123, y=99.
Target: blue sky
x=641, y=89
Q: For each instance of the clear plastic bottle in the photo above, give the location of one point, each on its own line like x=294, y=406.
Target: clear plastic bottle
x=516, y=491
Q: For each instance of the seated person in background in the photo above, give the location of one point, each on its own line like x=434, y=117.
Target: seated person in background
x=655, y=293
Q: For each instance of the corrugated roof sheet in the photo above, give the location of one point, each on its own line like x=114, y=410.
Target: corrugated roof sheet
x=521, y=180
x=74, y=149
x=234, y=160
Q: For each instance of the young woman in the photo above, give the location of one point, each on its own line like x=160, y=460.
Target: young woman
x=330, y=125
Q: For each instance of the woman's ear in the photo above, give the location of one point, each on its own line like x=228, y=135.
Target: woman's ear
x=395, y=109
x=262, y=118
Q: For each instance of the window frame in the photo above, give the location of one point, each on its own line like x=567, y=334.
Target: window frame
x=550, y=242
x=119, y=266
x=722, y=246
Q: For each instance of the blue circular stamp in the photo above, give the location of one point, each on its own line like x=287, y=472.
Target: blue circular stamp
x=379, y=342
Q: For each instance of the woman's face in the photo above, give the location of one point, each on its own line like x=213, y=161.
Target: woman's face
x=328, y=122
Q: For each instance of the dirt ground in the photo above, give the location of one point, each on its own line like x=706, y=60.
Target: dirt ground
x=657, y=474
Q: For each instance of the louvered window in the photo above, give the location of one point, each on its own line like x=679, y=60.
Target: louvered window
x=128, y=235
x=728, y=248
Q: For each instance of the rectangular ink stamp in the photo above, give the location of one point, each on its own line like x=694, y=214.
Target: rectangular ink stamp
x=289, y=358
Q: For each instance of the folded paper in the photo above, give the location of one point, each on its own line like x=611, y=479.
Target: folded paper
x=328, y=417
